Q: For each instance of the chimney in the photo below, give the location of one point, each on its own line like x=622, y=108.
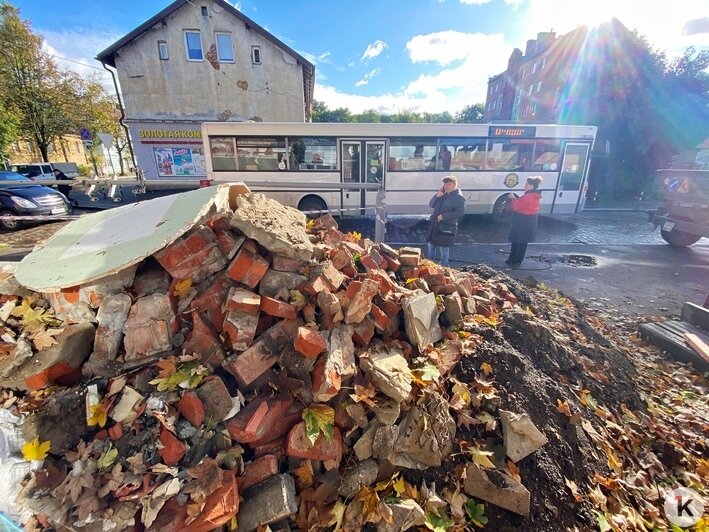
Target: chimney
x=531, y=47
x=515, y=57
x=545, y=39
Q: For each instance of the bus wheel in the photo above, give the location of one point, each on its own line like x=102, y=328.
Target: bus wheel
x=500, y=215
x=678, y=239
x=312, y=203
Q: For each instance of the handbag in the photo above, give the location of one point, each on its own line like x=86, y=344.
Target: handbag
x=448, y=228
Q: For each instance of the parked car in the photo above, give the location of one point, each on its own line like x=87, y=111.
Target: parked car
x=27, y=200
x=34, y=171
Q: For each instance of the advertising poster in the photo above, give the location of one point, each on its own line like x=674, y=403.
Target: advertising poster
x=200, y=167
x=163, y=156
x=182, y=161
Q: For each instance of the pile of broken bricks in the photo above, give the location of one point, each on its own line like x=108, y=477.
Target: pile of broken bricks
x=255, y=358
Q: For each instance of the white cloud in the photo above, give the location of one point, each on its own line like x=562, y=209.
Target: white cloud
x=476, y=2
x=369, y=75
x=514, y=3
x=445, y=47
x=662, y=24
x=374, y=49
x=450, y=89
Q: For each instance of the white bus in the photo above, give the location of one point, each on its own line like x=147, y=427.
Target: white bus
x=407, y=160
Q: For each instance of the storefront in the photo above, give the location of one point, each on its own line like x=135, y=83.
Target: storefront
x=169, y=151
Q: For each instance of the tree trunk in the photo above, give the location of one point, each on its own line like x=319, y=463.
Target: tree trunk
x=61, y=143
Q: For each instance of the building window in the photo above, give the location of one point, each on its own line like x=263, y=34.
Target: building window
x=526, y=110
x=193, y=46
x=225, y=49
x=522, y=73
x=539, y=85
x=256, y=55
x=204, y=11
x=162, y=51
x=534, y=68
x=544, y=63
x=529, y=91
x=534, y=109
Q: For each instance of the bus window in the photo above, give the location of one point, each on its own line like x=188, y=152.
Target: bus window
x=312, y=153
x=467, y=154
x=546, y=156
x=413, y=153
x=261, y=153
x=510, y=155
x=223, y=151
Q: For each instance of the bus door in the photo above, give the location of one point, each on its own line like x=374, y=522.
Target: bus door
x=363, y=161
x=569, y=190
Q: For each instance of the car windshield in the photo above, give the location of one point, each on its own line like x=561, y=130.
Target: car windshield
x=12, y=176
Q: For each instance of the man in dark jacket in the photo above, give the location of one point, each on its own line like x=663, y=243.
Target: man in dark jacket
x=448, y=207
x=64, y=189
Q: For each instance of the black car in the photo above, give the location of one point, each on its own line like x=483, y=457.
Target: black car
x=27, y=200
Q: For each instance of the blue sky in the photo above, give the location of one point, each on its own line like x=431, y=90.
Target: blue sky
x=425, y=55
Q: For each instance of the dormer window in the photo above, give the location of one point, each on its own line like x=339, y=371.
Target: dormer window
x=163, y=53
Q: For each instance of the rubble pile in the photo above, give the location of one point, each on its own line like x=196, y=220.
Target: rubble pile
x=264, y=371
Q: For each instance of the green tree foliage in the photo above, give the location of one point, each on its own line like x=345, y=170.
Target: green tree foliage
x=8, y=131
x=47, y=104
x=471, y=114
x=321, y=113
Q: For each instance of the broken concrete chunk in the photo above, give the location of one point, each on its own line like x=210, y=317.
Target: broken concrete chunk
x=384, y=440
x=61, y=420
x=520, y=435
x=426, y=435
x=111, y=317
x=497, y=488
x=32, y=372
x=363, y=446
x=388, y=370
x=279, y=229
x=407, y=514
x=362, y=474
x=152, y=281
x=125, y=410
x=274, y=281
x=268, y=502
x=421, y=320
x=387, y=411
x=149, y=327
x=216, y=399
x=453, y=308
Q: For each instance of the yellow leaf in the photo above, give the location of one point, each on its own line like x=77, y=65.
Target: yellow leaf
x=513, y=470
x=613, y=462
x=338, y=513
x=563, y=407
x=399, y=486
x=319, y=418
x=182, y=288
x=487, y=368
x=36, y=450
x=99, y=415
x=482, y=457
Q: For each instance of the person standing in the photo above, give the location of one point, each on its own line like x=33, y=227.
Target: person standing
x=64, y=189
x=448, y=207
x=525, y=214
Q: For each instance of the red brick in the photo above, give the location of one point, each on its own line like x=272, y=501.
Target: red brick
x=216, y=399
x=191, y=408
x=204, y=342
x=240, y=329
x=219, y=222
x=299, y=446
x=282, y=425
x=243, y=300
x=324, y=222
x=333, y=238
x=316, y=284
x=115, y=432
x=341, y=258
x=265, y=322
x=286, y=264
x=332, y=275
x=444, y=289
x=254, y=422
x=389, y=306
x=409, y=256
x=363, y=332
x=193, y=256
x=172, y=448
x=349, y=270
x=149, y=327
x=247, y=268
x=279, y=309
x=44, y=378
x=435, y=279
x=368, y=262
x=309, y=342
x=274, y=447
x=220, y=506
x=228, y=243
x=327, y=381
x=361, y=303
x=328, y=303
x=211, y=300
x=393, y=265
x=352, y=289
x=309, y=314
x=381, y=320
x=386, y=284
x=258, y=471
x=251, y=364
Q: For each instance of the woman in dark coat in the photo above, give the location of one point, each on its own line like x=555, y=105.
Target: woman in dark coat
x=448, y=207
x=525, y=212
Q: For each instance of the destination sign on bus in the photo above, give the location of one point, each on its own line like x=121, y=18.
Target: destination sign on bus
x=511, y=131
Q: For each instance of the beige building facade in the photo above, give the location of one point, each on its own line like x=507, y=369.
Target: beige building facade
x=199, y=61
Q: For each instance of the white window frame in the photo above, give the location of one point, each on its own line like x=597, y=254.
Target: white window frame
x=534, y=109
x=522, y=73
x=526, y=110
x=544, y=63
x=187, y=46
x=162, y=46
x=254, y=50
x=534, y=68
x=539, y=85
x=217, y=34
x=531, y=88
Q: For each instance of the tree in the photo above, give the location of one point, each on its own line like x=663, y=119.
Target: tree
x=369, y=116
x=471, y=114
x=8, y=131
x=321, y=113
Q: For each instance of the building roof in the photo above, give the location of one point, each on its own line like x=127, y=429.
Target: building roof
x=108, y=56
